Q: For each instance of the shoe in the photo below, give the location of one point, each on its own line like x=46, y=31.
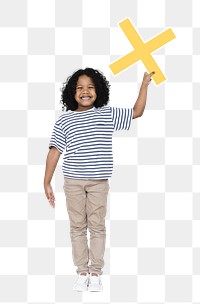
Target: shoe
x=81, y=283
x=95, y=283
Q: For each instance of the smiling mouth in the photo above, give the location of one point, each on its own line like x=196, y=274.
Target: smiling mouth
x=85, y=97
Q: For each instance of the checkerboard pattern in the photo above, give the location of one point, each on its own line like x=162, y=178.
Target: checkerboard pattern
x=153, y=221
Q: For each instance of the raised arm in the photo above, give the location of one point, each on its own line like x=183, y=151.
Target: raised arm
x=51, y=163
x=140, y=103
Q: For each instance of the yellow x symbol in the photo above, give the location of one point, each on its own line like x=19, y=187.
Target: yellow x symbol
x=142, y=51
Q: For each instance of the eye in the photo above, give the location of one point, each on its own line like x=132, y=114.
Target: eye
x=78, y=88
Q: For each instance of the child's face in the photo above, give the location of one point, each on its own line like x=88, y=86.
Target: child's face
x=85, y=93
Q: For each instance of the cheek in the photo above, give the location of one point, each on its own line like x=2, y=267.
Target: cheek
x=95, y=94
x=76, y=96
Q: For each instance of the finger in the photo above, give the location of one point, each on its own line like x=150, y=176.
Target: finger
x=52, y=203
x=51, y=194
x=52, y=198
x=151, y=74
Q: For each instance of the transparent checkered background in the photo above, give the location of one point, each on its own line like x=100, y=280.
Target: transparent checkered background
x=153, y=240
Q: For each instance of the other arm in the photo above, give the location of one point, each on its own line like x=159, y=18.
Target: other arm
x=51, y=163
x=140, y=103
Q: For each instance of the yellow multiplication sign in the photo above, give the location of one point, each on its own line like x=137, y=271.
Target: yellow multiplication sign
x=142, y=51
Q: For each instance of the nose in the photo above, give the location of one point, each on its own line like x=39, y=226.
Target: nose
x=85, y=90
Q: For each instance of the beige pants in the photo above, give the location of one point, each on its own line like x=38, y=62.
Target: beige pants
x=86, y=202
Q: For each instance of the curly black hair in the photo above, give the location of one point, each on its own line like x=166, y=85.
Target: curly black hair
x=68, y=90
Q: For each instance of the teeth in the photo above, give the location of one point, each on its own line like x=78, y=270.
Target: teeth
x=85, y=98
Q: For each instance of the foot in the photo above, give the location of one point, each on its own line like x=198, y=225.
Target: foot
x=95, y=282
x=82, y=282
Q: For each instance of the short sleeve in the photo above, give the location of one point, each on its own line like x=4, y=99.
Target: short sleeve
x=58, y=138
x=122, y=118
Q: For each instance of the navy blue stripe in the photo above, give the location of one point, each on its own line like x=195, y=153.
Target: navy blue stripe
x=86, y=138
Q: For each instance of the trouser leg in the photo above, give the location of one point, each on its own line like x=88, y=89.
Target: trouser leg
x=96, y=207
x=76, y=207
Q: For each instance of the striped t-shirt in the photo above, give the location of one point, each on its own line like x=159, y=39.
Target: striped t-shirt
x=86, y=139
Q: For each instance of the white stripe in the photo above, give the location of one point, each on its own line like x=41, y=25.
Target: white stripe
x=86, y=138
